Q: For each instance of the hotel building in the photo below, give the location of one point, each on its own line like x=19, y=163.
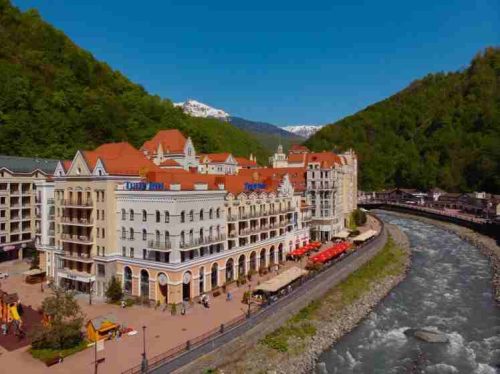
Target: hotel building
x=171, y=233
x=19, y=177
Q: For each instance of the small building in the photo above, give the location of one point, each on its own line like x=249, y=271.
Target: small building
x=100, y=327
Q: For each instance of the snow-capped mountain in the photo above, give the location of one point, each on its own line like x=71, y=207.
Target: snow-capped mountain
x=303, y=130
x=197, y=109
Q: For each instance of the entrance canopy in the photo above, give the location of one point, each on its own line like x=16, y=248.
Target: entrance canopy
x=282, y=280
x=342, y=235
x=364, y=236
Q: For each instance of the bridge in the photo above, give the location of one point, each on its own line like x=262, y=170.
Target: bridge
x=485, y=226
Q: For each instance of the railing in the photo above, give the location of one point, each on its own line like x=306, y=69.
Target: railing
x=77, y=221
x=225, y=333
x=426, y=209
x=200, y=241
x=76, y=255
x=160, y=245
x=77, y=238
x=77, y=203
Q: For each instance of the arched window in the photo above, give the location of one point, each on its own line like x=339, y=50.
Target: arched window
x=167, y=238
x=201, y=215
x=158, y=216
x=183, y=217
x=211, y=213
x=131, y=235
x=167, y=216
x=201, y=233
x=191, y=215
x=124, y=215
x=144, y=234
x=144, y=283
x=217, y=213
x=124, y=233
x=191, y=234
x=157, y=236
x=214, y=277
x=182, y=238
x=127, y=280
x=144, y=216
x=131, y=214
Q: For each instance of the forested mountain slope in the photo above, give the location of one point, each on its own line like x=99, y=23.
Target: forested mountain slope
x=56, y=97
x=442, y=130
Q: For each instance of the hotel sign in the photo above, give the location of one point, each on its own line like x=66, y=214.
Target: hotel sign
x=254, y=186
x=142, y=186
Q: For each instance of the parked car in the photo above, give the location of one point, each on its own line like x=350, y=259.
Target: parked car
x=3, y=275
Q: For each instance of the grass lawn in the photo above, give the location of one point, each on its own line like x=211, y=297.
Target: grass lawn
x=290, y=337
x=46, y=355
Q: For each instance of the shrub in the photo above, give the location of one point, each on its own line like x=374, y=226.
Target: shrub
x=359, y=217
x=114, y=292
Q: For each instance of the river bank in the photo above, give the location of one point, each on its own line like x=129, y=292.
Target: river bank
x=295, y=347
x=486, y=245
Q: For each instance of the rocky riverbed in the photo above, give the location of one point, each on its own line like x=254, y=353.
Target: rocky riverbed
x=486, y=245
x=334, y=322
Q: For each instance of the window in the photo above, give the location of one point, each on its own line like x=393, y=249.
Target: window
x=167, y=217
x=211, y=214
x=101, y=270
x=217, y=213
x=144, y=216
x=167, y=237
x=97, y=212
x=182, y=238
x=131, y=236
x=158, y=216
x=191, y=215
x=124, y=251
x=131, y=252
x=183, y=217
x=201, y=215
x=124, y=233
x=144, y=254
x=131, y=214
x=144, y=234
x=103, y=233
x=98, y=250
x=98, y=232
x=102, y=215
x=157, y=236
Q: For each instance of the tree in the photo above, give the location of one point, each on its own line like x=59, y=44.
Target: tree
x=66, y=321
x=359, y=217
x=114, y=291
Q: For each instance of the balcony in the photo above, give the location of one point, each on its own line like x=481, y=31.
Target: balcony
x=75, y=256
x=83, y=204
x=159, y=245
x=76, y=221
x=202, y=241
x=79, y=239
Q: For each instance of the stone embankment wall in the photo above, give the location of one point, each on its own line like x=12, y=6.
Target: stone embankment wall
x=486, y=245
x=348, y=318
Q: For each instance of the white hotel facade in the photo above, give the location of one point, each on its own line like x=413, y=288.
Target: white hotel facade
x=168, y=234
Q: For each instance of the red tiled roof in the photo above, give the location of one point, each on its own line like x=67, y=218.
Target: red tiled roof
x=172, y=141
x=215, y=157
x=66, y=164
x=245, y=162
x=326, y=159
x=297, y=158
x=297, y=148
x=297, y=175
x=169, y=162
x=119, y=159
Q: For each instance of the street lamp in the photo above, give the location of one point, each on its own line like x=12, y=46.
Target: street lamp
x=144, y=363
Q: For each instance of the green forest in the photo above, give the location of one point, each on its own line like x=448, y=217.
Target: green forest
x=56, y=98
x=441, y=131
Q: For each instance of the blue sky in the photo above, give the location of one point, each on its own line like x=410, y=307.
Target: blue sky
x=285, y=62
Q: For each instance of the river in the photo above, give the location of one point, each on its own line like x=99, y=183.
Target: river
x=447, y=288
